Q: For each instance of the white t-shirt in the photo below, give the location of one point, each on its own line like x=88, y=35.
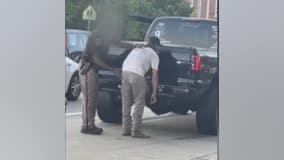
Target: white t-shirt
x=140, y=60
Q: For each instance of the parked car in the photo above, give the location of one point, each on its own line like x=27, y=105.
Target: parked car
x=75, y=42
x=188, y=75
x=72, y=81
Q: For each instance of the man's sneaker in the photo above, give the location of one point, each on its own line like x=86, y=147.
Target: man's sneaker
x=126, y=133
x=139, y=134
x=94, y=130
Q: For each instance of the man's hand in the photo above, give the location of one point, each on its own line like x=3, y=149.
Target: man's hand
x=153, y=99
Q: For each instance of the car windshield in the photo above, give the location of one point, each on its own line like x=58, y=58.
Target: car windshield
x=72, y=42
x=198, y=33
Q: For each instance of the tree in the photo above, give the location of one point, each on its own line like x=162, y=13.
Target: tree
x=153, y=8
x=73, y=13
x=156, y=8
x=111, y=13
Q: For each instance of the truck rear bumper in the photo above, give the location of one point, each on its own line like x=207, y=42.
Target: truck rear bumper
x=171, y=98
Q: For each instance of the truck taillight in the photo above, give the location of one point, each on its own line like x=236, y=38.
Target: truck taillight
x=196, y=63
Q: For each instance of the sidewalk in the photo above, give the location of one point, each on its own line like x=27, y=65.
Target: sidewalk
x=174, y=137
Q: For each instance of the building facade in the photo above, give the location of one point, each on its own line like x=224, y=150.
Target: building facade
x=205, y=8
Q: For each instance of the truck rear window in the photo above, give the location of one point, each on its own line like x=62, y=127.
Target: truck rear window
x=198, y=33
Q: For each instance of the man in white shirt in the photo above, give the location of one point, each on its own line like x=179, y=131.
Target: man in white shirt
x=133, y=91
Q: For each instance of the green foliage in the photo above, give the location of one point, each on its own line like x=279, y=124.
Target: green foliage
x=110, y=13
x=156, y=8
x=73, y=13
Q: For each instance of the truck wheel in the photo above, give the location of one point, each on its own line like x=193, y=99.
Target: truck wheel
x=108, y=110
x=208, y=113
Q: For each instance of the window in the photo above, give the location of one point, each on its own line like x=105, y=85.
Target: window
x=84, y=39
x=195, y=33
x=72, y=42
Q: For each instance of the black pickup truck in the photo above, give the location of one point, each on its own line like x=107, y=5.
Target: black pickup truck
x=188, y=72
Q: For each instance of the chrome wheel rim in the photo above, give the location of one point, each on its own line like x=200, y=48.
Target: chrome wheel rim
x=75, y=86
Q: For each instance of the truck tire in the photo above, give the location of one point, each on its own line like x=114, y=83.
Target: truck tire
x=207, y=116
x=108, y=111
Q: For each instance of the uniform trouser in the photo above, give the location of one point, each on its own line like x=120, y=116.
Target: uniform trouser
x=89, y=87
x=133, y=94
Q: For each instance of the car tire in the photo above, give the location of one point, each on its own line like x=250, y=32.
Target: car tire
x=207, y=116
x=74, y=88
x=108, y=110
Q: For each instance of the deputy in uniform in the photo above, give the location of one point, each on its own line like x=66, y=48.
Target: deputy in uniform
x=93, y=59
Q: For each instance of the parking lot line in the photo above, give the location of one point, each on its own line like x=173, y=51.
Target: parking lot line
x=73, y=114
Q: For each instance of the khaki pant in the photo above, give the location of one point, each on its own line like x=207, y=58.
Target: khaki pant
x=133, y=94
x=89, y=87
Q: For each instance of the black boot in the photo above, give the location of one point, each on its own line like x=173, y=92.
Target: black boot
x=93, y=130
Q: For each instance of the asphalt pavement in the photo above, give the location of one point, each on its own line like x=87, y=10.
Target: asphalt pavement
x=173, y=137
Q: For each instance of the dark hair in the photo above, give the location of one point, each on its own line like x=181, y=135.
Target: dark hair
x=154, y=41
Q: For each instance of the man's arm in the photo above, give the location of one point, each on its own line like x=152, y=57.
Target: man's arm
x=155, y=81
x=155, y=77
x=101, y=63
